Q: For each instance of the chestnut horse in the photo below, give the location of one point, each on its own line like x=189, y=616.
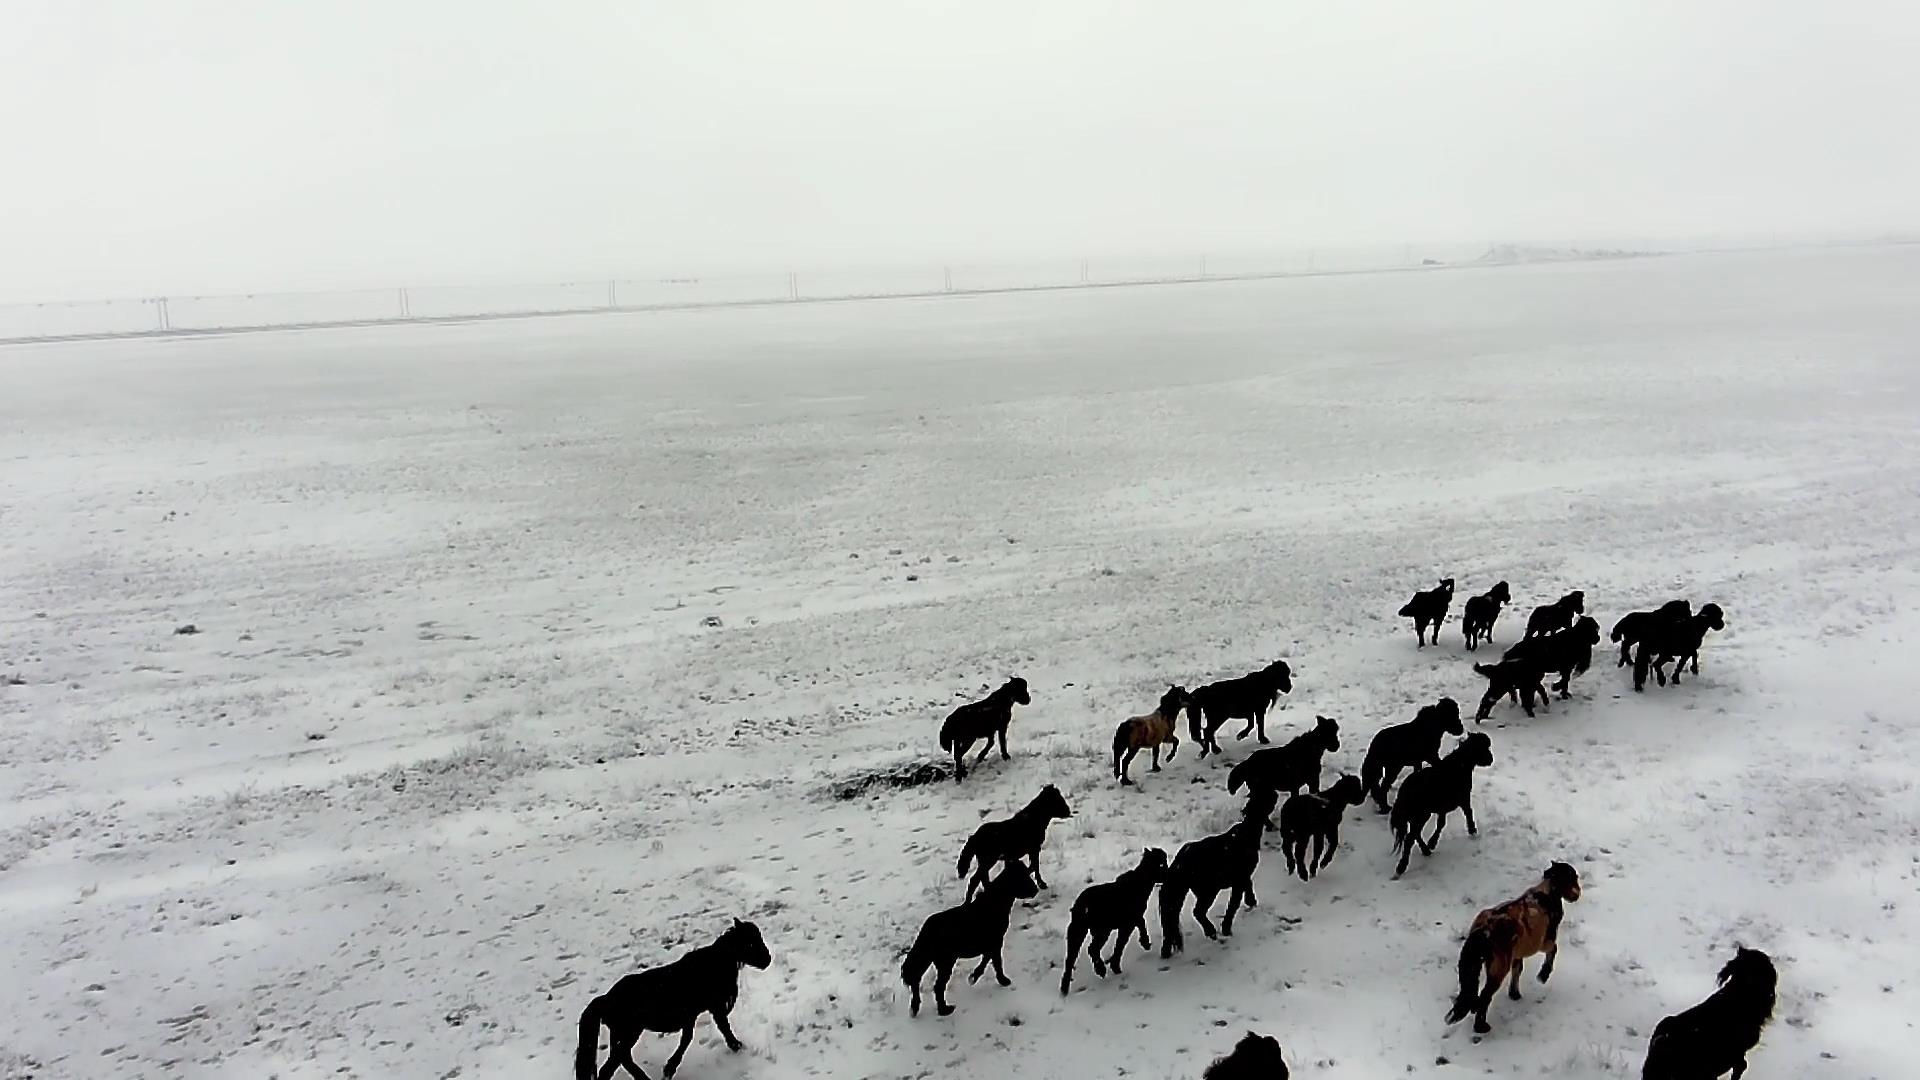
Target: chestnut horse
x=1503, y=937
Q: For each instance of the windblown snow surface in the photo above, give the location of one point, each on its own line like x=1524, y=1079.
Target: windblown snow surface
x=530, y=653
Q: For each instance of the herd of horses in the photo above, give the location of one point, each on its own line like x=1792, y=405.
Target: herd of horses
x=1701, y=1043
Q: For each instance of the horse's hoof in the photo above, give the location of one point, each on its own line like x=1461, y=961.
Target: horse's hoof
x=1264, y=739
x=1481, y=1027
x=1514, y=993
x=1124, y=782
x=735, y=1046
x=1156, y=768
x=1004, y=981
x=945, y=1010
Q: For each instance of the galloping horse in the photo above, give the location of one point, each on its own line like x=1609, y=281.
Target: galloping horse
x=669, y=998
x=1505, y=935
x=982, y=719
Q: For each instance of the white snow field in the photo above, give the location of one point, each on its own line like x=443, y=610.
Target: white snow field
x=458, y=743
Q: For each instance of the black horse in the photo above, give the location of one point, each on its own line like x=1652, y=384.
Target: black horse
x=1478, y=617
x=1255, y=1057
x=1558, y=615
x=1429, y=608
x=1291, y=767
x=1635, y=625
x=1205, y=868
x=1408, y=746
x=975, y=928
x=1113, y=907
x=1567, y=653
x=1245, y=698
x=1677, y=641
x=1715, y=1036
x=1437, y=792
x=1316, y=818
x=982, y=719
x=669, y=998
x=1009, y=839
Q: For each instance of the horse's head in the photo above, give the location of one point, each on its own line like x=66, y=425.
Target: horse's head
x=1575, y=601
x=1749, y=965
x=1255, y=1055
x=1563, y=880
x=1446, y=712
x=1585, y=630
x=1446, y=585
x=1015, y=880
x=1711, y=615
x=1280, y=675
x=1326, y=732
x=1175, y=699
x=1477, y=748
x=1346, y=790
x=1052, y=803
x=1016, y=689
x=1675, y=610
x=1154, y=862
x=746, y=946
x=1499, y=593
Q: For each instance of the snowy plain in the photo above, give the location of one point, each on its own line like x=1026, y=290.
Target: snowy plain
x=458, y=743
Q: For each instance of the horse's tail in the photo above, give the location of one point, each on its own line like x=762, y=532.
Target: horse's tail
x=916, y=963
x=1371, y=773
x=1076, y=937
x=1473, y=956
x=966, y=857
x=1238, y=775
x=583, y=1058
x=1402, y=827
x=1121, y=737
x=1194, y=715
x=946, y=734
x=1407, y=609
x=1173, y=889
x=1620, y=628
x=1485, y=669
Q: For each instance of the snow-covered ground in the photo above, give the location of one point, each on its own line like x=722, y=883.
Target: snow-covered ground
x=456, y=746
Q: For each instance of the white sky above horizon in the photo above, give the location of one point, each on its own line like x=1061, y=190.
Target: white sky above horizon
x=209, y=146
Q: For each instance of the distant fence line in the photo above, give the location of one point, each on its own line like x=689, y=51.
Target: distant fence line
x=188, y=314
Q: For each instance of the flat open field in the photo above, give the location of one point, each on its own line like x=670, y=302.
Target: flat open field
x=529, y=653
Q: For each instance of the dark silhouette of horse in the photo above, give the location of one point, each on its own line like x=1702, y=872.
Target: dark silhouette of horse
x=1635, y=625
x=1114, y=907
x=1309, y=817
x=975, y=928
x=1478, y=616
x=1261, y=803
x=1290, y=767
x=1566, y=652
x=1408, y=746
x=1254, y=1057
x=1245, y=698
x=1149, y=732
x=1204, y=868
x=1437, y=792
x=669, y=998
x=1715, y=1036
x=1522, y=676
x=1503, y=936
x=1010, y=838
x=983, y=719
x=1677, y=641
x=1429, y=608
x=1558, y=615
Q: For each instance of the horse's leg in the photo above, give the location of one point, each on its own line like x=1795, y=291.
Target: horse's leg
x=1004, y=756
x=1626, y=657
x=1679, y=665
x=1174, y=742
x=1098, y=943
x=1260, y=722
x=673, y=1063
x=1076, y=936
x=979, y=970
x=944, y=967
x=1233, y=907
x=960, y=759
x=1125, y=763
x=1696, y=661
x=1333, y=845
x=1119, y=946
x=1156, y=758
x=999, y=972
x=1486, y=704
x=984, y=751
x=1566, y=677
x=1466, y=807
x=726, y=1030
x=1438, y=824
x=1319, y=860
x=1248, y=729
x=1546, y=966
x=1202, y=900
x=979, y=879
x=1496, y=974
x=1739, y=1067
x=621, y=1052
x=1513, y=980
x=1387, y=778
x=1287, y=845
x=1034, y=858
x=1142, y=927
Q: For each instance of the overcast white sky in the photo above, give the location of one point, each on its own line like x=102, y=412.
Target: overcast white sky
x=181, y=145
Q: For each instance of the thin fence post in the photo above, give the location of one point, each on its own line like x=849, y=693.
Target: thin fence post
x=613, y=297
x=947, y=278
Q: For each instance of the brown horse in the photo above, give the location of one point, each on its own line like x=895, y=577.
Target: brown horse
x=1503, y=937
x=1149, y=732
